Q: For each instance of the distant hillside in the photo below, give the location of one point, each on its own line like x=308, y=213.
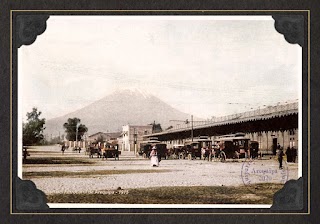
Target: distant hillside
x=120, y=108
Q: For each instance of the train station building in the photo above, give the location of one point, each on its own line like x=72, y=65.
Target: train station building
x=269, y=126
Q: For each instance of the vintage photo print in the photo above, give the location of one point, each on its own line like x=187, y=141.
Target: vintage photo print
x=128, y=111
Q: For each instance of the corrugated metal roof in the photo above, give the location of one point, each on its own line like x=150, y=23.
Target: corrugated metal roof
x=261, y=114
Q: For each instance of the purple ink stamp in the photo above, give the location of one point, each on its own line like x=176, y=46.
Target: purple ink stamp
x=268, y=171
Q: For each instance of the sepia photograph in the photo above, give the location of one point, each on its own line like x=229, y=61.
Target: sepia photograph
x=127, y=111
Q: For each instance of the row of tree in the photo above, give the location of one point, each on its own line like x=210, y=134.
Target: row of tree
x=34, y=127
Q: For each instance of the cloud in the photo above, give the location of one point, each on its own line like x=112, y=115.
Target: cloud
x=198, y=66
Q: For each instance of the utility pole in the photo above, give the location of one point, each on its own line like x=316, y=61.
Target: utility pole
x=77, y=126
x=192, y=128
x=135, y=140
x=187, y=122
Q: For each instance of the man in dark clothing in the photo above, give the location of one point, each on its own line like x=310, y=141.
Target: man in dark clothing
x=280, y=158
x=289, y=154
x=63, y=148
x=294, y=154
x=158, y=154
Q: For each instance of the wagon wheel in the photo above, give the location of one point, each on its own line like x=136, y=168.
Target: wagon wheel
x=213, y=157
x=223, y=156
x=216, y=156
x=210, y=157
x=189, y=156
x=236, y=155
x=144, y=155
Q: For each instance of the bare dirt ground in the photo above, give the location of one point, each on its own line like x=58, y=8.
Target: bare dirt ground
x=76, y=173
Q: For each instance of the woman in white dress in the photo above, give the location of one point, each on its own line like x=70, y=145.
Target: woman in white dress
x=154, y=157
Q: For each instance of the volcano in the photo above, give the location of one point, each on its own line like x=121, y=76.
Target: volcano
x=122, y=107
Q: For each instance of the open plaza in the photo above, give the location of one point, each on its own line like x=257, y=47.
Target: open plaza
x=74, y=177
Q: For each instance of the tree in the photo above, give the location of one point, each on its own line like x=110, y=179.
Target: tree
x=33, y=129
x=156, y=127
x=71, y=129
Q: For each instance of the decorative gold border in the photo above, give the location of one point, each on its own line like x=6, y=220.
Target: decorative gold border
x=192, y=213
x=309, y=115
x=11, y=112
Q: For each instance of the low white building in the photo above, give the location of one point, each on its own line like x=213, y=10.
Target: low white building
x=103, y=136
x=132, y=136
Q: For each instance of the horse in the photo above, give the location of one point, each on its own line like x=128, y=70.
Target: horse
x=94, y=151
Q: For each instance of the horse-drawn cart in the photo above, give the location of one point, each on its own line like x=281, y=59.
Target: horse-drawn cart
x=146, y=148
x=107, y=150
x=179, y=152
x=112, y=153
x=232, y=147
x=199, y=147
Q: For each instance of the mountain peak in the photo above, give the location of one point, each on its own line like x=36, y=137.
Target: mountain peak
x=133, y=91
x=123, y=106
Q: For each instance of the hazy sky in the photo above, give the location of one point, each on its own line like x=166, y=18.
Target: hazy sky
x=206, y=66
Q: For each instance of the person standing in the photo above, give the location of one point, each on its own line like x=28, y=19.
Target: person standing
x=294, y=154
x=154, y=157
x=280, y=157
x=289, y=154
x=203, y=152
x=104, y=152
x=63, y=148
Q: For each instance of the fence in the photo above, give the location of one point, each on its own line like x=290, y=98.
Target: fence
x=258, y=113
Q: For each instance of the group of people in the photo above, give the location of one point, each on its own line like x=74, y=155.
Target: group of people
x=64, y=148
x=291, y=155
x=205, y=153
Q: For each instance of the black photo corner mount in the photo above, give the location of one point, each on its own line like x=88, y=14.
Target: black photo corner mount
x=290, y=197
x=291, y=26
x=28, y=197
x=28, y=27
